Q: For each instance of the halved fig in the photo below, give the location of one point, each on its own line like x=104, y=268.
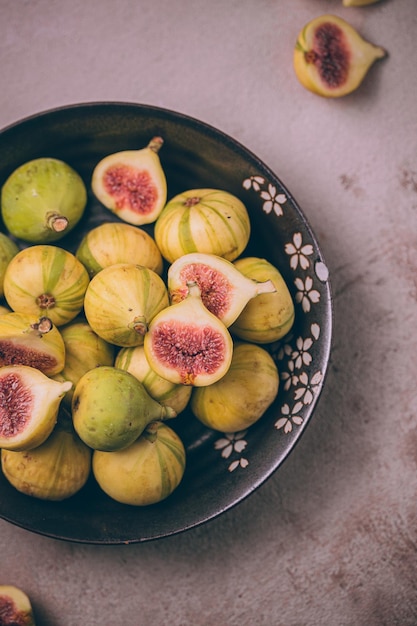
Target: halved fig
x=187, y=344
x=15, y=607
x=29, y=403
x=331, y=58
x=43, y=200
x=132, y=183
x=224, y=289
x=33, y=341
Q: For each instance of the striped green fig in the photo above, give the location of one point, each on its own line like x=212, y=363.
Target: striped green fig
x=46, y=281
x=146, y=472
x=203, y=220
x=269, y=316
x=115, y=242
x=121, y=300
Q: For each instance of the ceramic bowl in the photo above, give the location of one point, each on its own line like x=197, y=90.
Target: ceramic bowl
x=222, y=468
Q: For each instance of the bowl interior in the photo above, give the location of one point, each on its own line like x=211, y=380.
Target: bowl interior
x=222, y=469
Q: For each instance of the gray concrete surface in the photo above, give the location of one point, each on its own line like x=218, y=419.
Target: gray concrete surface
x=331, y=538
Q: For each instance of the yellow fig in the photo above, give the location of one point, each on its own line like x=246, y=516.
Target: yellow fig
x=55, y=470
x=242, y=396
x=15, y=607
x=116, y=242
x=331, y=58
x=8, y=249
x=146, y=472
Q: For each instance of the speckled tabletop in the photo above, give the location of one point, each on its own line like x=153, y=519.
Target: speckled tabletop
x=331, y=538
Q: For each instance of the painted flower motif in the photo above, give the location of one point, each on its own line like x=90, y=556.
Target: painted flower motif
x=253, y=182
x=231, y=442
x=301, y=355
x=306, y=294
x=290, y=417
x=289, y=377
x=239, y=463
x=298, y=252
x=273, y=200
x=308, y=387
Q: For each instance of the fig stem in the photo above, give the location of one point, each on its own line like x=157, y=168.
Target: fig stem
x=56, y=222
x=155, y=144
x=43, y=326
x=139, y=325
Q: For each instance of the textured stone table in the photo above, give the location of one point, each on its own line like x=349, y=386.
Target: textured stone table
x=331, y=538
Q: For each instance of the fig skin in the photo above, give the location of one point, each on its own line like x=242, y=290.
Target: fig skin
x=111, y=409
x=43, y=200
x=29, y=403
x=33, y=341
x=113, y=242
x=84, y=350
x=331, y=58
x=15, y=607
x=55, y=470
x=358, y=3
x=242, y=396
x=224, y=289
x=132, y=183
x=121, y=300
x=134, y=361
x=186, y=344
x=8, y=249
x=46, y=281
x=146, y=472
x=203, y=220
x=270, y=316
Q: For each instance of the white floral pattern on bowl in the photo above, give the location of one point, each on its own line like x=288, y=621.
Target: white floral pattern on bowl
x=299, y=378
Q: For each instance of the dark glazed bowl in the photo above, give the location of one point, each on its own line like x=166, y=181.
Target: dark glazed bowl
x=222, y=469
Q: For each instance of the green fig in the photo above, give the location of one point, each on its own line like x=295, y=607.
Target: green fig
x=111, y=408
x=29, y=403
x=134, y=361
x=132, y=183
x=42, y=200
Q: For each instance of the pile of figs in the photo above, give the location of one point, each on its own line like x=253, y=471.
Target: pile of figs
x=103, y=347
